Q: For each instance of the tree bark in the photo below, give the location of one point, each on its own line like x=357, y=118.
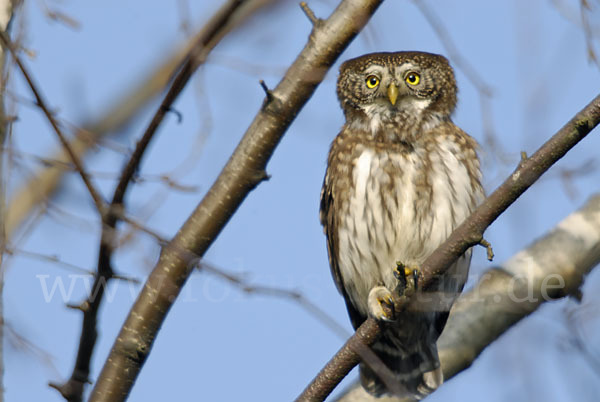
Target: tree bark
x=227, y=17
x=244, y=170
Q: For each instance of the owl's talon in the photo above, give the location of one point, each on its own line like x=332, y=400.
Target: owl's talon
x=415, y=278
x=399, y=272
x=381, y=304
x=408, y=278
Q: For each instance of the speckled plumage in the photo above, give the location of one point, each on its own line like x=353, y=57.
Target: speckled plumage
x=400, y=177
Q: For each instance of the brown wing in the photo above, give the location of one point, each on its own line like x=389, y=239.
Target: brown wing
x=327, y=215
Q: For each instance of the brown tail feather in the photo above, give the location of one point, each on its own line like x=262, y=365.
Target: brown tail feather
x=418, y=370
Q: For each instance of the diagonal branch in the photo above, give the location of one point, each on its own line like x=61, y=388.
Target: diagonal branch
x=291, y=295
x=468, y=234
x=553, y=266
x=229, y=16
x=244, y=170
x=483, y=89
x=6, y=14
x=98, y=201
x=216, y=28
x=42, y=185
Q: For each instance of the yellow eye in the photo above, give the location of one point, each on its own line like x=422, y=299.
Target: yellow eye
x=372, y=81
x=413, y=78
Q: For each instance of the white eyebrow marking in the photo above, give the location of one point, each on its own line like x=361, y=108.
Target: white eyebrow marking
x=375, y=68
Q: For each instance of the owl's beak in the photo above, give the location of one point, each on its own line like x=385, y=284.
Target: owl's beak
x=392, y=93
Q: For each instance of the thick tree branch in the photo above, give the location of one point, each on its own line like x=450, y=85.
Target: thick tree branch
x=230, y=15
x=553, y=266
x=244, y=170
x=469, y=233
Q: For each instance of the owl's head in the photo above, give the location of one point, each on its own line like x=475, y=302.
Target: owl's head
x=392, y=86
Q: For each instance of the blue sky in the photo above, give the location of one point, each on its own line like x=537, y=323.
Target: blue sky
x=219, y=344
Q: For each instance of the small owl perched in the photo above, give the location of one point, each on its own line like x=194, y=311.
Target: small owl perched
x=400, y=178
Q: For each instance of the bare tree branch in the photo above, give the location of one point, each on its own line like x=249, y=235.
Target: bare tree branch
x=288, y=294
x=554, y=266
x=365, y=353
x=468, y=234
x=245, y=170
x=483, y=89
x=60, y=17
x=6, y=13
x=42, y=185
x=453, y=53
x=216, y=28
x=94, y=193
x=585, y=9
x=229, y=16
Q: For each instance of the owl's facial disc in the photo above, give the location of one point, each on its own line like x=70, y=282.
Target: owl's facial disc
x=391, y=92
x=394, y=87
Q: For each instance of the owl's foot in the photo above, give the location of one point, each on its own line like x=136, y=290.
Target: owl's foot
x=408, y=279
x=381, y=304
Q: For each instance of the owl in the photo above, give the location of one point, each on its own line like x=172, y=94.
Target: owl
x=400, y=178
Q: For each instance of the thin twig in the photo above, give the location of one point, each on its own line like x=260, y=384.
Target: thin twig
x=217, y=27
x=456, y=56
x=243, y=172
x=43, y=183
x=60, y=17
x=484, y=90
x=585, y=8
x=5, y=127
x=19, y=341
x=98, y=201
x=56, y=260
x=268, y=92
x=292, y=295
x=309, y=13
x=468, y=234
x=213, y=31
x=488, y=248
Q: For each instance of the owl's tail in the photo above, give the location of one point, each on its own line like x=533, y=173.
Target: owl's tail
x=418, y=370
